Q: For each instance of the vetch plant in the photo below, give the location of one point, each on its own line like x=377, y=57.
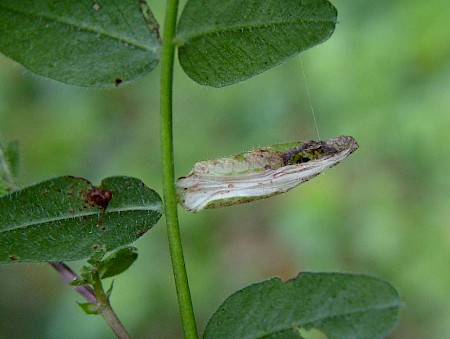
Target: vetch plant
x=108, y=44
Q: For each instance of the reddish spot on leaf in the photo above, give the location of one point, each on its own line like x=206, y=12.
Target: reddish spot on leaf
x=98, y=198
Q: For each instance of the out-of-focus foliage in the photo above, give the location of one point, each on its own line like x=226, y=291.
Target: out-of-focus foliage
x=382, y=78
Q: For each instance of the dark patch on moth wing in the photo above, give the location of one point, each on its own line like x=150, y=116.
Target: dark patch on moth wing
x=311, y=150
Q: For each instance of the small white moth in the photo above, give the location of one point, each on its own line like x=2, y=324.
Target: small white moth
x=260, y=173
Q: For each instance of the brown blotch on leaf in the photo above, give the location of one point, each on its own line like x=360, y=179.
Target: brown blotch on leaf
x=97, y=197
x=100, y=198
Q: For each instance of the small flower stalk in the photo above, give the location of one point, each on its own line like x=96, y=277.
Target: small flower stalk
x=259, y=174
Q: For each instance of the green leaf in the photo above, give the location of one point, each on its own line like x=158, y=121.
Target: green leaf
x=109, y=291
x=79, y=282
x=81, y=42
x=12, y=156
x=340, y=305
x=67, y=218
x=221, y=45
x=88, y=308
x=117, y=262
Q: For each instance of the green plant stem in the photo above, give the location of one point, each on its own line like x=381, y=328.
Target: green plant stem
x=170, y=196
x=95, y=295
x=106, y=311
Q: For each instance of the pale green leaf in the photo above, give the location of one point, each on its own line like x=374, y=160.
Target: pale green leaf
x=67, y=218
x=89, y=308
x=223, y=43
x=340, y=305
x=81, y=42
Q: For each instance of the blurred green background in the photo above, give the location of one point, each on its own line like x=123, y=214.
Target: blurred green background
x=383, y=77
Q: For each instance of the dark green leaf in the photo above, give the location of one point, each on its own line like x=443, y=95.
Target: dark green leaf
x=223, y=44
x=340, y=305
x=117, y=262
x=81, y=42
x=67, y=218
x=88, y=308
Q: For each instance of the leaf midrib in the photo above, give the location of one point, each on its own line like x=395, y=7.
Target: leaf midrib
x=83, y=27
x=248, y=27
x=70, y=216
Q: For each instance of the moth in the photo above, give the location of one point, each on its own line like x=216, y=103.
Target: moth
x=260, y=173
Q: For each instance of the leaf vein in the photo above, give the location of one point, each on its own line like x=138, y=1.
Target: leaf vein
x=78, y=26
x=249, y=28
